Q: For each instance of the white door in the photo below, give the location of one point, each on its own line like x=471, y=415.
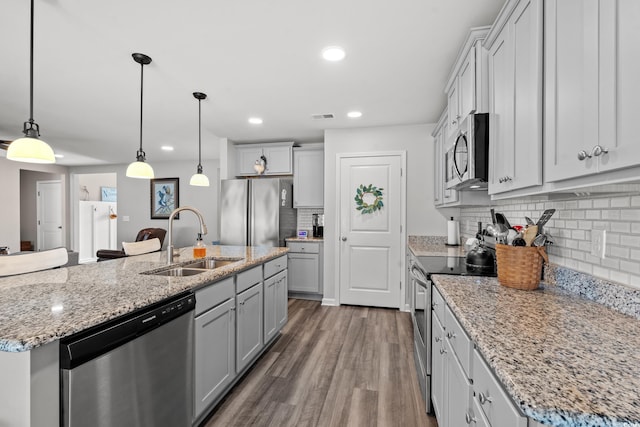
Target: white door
x=49, y=215
x=370, y=229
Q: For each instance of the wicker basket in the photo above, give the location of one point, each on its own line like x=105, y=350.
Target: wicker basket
x=520, y=267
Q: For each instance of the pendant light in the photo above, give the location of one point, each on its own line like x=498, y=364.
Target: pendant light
x=199, y=179
x=140, y=169
x=30, y=148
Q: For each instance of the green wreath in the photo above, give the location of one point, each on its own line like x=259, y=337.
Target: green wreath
x=364, y=207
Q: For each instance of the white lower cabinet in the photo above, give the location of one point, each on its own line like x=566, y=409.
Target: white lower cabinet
x=464, y=391
x=305, y=267
x=215, y=349
x=275, y=305
x=249, y=325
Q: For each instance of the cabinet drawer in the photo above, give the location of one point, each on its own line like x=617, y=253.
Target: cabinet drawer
x=460, y=342
x=274, y=266
x=304, y=247
x=214, y=294
x=438, y=304
x=248, y=278
x=493, y=400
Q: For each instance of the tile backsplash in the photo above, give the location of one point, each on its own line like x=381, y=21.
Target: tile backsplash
x=305, y=216
x=571, y=228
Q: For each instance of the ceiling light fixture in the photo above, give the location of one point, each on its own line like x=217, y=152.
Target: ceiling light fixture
x=30, y=148
x=255, y=120
x=140, y=169
x=199, y=179
x=58, y=156
x=333, y=53
x=354, y=114
x=166, y=148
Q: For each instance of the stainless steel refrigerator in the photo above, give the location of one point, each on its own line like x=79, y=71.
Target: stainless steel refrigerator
x=257, y=212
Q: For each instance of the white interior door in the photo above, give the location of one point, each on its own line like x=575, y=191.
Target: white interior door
x=371, y=241
x=49, y=215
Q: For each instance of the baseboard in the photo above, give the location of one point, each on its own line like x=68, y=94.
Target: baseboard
x=329, y=301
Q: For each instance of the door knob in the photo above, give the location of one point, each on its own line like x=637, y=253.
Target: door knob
x=344, y=239
x=60, y=227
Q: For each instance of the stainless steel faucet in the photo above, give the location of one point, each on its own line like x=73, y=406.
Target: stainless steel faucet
x=203, y=228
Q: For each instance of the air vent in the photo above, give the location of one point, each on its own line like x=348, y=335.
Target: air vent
x=322, y=116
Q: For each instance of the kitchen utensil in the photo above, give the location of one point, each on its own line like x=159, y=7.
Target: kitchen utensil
x=540, y=240
x=511, y=235
x=529, y=221
x=501, y=235
x=493, y=216
x=480, y=258
x=530, y=234
x=501, y=219
x=492, y=230
x=543, y=254
x=519, y=241
x=546, y=215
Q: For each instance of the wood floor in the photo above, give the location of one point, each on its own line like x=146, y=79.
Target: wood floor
x=332, y=366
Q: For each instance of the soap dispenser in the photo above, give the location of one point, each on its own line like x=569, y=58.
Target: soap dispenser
x=199, y=249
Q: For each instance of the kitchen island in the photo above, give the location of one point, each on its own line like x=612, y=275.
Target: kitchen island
x=562, y=359
x=38, y=309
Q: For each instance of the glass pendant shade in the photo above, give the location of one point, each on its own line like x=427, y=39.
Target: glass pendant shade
x=199, y=180
x=30, y=150
x=140, y=169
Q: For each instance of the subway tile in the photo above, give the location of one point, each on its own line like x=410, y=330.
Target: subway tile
x=630, y=267
x=585, y=268
x=620, y=202
x=601, y=225
x=585, y=204
x=570, y=263
x=611, y=263
x=620, y=227
x=585, y=225
x=600, y=272
x=630, y=215
x=573, y=204
x=612, y=214
x=630, y=240
x=634, y=281
x=578, y=214
x=613, y=239
x=571, y=224
x=592, y=214
x=578, y=255
x=618, y=276
x=594, y=260
x=600, y=203
x=578, y=234
x=635, y=201
x=584, y=246
x=618, y=252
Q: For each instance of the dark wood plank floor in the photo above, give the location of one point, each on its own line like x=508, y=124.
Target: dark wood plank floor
x=332, y=366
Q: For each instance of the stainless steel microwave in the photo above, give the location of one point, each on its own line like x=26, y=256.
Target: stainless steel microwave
x=467, y=161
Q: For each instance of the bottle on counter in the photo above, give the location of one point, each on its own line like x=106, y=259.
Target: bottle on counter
x=199, y=249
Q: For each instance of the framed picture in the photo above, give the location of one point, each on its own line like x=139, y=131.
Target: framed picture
x=108, y=194
x=165, y=197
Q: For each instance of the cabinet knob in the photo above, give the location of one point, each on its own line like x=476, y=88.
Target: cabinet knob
x=483, y=398
x=598, y=151
x=434, y=304
x=583, y=155
x=437, y=339
x=241, y=302
x=443, y=351
x=344, y=239
x=454, y=122
x=469, y=418
x=451, y=335
x=232, y=309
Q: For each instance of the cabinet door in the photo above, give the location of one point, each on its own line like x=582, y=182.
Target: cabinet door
x=250, y=328
x=515, y=99
x=438, y=369
x=308, y=179
x=438, y=175
x=571, y=87
x=282, y=300
x=279, y=160
x=458, y=395
x=619, y=88
x=270, y=322
x=214, y=353
x=246, y=158
x=467, y=84
x=303, y=272
x=453, y=110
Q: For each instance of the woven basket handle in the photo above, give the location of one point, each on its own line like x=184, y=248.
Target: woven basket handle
x=543, y=254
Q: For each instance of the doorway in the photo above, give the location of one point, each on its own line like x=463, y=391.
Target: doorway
x=372, y=195
x=49, y=214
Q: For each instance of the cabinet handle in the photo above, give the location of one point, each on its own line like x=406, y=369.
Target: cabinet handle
x=434, y=304
x=598, y=151
x=483, y=398
x=344, y=239
x=437, y=339
x=451, y=334
x=469, y=419
x=232, y=309
x=241, y=302
x=443, y=351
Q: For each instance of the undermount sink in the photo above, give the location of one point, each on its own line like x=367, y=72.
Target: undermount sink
x=194, y=267
x=211, y=263
x=178, y=272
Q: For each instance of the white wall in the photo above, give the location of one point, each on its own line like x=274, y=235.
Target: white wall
x=422, y=217
x=29, y=203
x=10, y=178
x=134, y=200
x=94, y=182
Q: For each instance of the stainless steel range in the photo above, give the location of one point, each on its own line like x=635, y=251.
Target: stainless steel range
x=420, y=271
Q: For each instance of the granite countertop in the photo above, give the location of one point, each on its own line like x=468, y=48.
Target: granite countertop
x=433, y=246
x=308, y=239
x=38, y=308
x=565, y=360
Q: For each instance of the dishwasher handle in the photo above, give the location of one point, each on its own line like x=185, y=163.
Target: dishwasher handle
x=98, y=340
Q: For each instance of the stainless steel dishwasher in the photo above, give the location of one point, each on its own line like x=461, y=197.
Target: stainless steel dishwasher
x=132, y=371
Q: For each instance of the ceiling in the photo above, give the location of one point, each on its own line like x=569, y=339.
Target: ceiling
x=251, y=57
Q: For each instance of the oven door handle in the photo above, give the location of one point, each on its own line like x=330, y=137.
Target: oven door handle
x=419, y=277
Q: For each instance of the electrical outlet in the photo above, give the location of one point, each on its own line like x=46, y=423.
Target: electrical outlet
x=125, y=218
x=598, y=242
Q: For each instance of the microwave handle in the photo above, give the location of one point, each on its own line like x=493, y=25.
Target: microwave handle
x=455, y=148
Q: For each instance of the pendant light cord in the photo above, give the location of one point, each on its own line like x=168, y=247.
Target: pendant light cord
x=31, y=69
x=141, y=100
x=199, y=135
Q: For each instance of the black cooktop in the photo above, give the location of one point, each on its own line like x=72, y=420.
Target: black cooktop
x=451, y=265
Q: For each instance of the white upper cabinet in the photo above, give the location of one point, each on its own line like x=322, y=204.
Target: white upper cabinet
x=592, y=64
x=279, y=158
x=308, y=177
x=515, y=97
x=466, y=88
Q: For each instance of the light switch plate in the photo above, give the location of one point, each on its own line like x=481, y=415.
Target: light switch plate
x=598, y=243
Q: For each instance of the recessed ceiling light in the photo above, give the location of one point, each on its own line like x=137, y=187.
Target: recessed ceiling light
x=59, y=155
x=354, y=114
x=474, y=186
x=333, y=53
x=255, y=120
x=167, y=148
